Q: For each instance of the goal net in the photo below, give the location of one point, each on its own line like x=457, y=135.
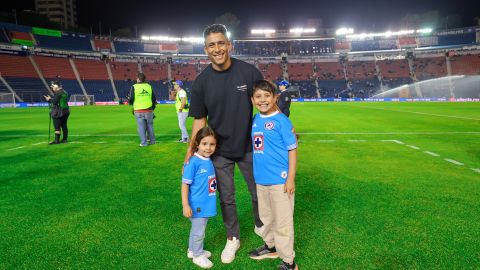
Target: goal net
x=87, y=100
x=7, y=100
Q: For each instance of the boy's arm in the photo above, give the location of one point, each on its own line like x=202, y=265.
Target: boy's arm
x=292, y=169
x=187, y=211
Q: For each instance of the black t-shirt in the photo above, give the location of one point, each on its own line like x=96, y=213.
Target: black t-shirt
x=284, y=101
x=224, y=98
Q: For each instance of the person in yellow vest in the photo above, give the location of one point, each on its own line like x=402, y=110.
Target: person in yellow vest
x=143, y=100
x=181, y=105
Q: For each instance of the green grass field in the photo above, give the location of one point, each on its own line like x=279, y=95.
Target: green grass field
x=379, y=186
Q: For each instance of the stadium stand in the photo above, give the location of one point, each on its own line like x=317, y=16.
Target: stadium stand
x=101, y=44
x=55, y=68
x=271, y=71
x=128, y=46
x=94, y=76
x=184, y=71
x=300, y=71
x=330, y=70
x=358, y=70
x=68, y=41
x=155, y=71
x=465, y=64
x=430, y=67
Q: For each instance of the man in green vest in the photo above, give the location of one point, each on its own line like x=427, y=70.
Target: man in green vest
x=181, y=106
x=143, y=100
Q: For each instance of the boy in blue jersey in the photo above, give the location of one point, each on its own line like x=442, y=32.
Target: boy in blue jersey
x=199, y=185
x=274, y=167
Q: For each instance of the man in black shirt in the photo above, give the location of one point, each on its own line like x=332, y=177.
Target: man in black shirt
x=222, y=94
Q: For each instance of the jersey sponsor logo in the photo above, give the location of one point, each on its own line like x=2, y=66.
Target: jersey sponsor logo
x=258, y=142
x=202, y=170
x=242, y=88
x=269, y=125
x=212, y=185
x=284, y=174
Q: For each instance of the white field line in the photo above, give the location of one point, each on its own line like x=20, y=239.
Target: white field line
x=357, y=140
x=100, y=142
x=20, y=147
x=326, y=141
x=429, y=114
x=76, y=142
x=395, y=141
x=414, y=147
x=454, y=161
x=431, y=153
x=475, y=170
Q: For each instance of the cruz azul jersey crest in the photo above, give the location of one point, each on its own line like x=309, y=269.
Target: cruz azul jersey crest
x=258, y=142
x=212, y=185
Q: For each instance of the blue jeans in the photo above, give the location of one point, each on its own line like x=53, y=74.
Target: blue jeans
x=145, y=125
x=197, y=234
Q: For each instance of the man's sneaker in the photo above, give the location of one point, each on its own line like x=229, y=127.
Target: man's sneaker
x=228, y=253
x=64, y=141
x=286, y=266
x=263, y=252
x=259, y=230
x=202, y=261
x=54, y=142
x=207, y=254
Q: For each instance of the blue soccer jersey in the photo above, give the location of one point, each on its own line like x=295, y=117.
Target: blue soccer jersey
x=273, y=136
x=199, y=173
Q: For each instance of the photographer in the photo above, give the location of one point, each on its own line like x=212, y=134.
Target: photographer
x=59, y=111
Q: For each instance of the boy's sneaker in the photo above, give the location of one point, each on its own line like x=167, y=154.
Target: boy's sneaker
x=286, y=266
x=228, y=253
x=259, y=230
x=207, y=254
x=202, y=261
x=263, y=252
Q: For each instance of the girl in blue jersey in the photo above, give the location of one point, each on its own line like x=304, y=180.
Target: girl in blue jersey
x=199, y=185
x=274, y=167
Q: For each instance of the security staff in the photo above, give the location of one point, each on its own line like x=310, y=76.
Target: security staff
x=143, y=100
x=284, y=99
x=181, y=105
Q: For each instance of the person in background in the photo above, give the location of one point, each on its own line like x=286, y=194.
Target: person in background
x=143, y=100
x=284, y=98
x=181, y=105
x=59, y=112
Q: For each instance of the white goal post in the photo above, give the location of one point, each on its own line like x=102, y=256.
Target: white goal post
x=7, y=100
x=87, y=100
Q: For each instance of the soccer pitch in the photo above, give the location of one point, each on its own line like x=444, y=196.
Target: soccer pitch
x=379, y=186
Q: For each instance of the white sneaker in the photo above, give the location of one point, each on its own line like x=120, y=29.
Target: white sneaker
x=207, y=254
x=228, y=253
x=259, y=230
x=202, y=261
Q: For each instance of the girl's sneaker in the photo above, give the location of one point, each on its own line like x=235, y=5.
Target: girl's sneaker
x=202, y=261
x=207, y=254
x=287, y=266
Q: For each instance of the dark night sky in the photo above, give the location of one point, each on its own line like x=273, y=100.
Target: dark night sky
x=179, y=17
